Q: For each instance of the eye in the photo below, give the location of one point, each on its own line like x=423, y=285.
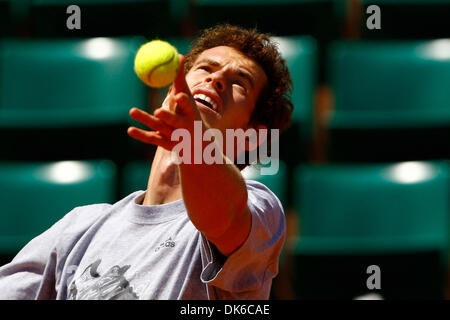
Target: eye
x=241, y=85
x=204, y=67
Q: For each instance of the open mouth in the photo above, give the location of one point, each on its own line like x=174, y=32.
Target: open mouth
x=206, y=101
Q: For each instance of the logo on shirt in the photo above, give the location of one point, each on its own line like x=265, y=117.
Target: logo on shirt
x=112, y=285
x=169, y=243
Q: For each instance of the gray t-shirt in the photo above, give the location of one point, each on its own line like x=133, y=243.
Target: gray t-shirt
x=131, y=251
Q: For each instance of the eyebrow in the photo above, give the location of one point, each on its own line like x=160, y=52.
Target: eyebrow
x=241, y=73
x=208, y=61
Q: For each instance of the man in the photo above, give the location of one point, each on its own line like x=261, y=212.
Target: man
x=199, y=231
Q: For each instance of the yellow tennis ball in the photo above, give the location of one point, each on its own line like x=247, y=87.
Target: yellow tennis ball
x=156, y=63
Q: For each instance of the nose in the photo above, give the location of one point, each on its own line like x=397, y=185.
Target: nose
x=217, y=80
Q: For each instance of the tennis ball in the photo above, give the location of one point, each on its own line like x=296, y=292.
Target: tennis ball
x=156, y=63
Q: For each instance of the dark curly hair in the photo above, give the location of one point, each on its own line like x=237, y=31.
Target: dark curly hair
x=274, y=107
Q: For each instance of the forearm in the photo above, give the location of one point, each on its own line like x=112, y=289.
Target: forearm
x=215, y=195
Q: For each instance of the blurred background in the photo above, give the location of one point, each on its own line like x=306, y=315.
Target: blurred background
x=365, y=172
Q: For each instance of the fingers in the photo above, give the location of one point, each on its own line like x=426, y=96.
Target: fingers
x=185, y=103
x=182, y=104
x=180, y=85
x=150, y=137
x=171, y=118
x=177, y=102
x=179, y=99
x=151, y=121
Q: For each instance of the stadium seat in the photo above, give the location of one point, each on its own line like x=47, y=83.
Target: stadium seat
x=277, y=183
x=102, y=18
x=391, y=99
x=352, y=216
x=135, y=177
x=301, y=56
x=65, y=93
x=37, y=194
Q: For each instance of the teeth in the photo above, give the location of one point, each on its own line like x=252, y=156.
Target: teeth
x=207, y=99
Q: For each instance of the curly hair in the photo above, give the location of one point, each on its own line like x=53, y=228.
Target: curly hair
x=274, y=107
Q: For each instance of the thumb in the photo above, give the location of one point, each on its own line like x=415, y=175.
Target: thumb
x=180, y=84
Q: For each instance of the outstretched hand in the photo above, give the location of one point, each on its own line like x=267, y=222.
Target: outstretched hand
x=178, y=111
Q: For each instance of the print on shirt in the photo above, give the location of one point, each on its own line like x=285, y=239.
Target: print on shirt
x=169, y=243
x=110, y=286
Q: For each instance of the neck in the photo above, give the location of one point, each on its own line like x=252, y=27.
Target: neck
x=164, y=181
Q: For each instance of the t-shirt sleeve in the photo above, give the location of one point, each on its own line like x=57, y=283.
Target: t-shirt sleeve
x=33, y=273
x=251, y=268
x=30, y=272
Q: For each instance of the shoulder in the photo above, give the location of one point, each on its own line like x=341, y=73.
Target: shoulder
x=76, y=220
x=261, y=198
x=268, y=219
x=247, y=273
x=88, y=213
x=81, y=218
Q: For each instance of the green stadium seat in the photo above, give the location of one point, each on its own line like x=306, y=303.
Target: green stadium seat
x=47, y=83
x=103, y=18
x=391, y=84
x=275, y=182
x=397, y=88
x=135, y=177
x=64, y=84
x=352, y=216
x=301, y=55
x=380, y=207
x=37, y=194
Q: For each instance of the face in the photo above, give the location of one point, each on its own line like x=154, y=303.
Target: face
x=225, y=85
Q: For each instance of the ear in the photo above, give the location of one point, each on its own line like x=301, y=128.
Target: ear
x=253, y=144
